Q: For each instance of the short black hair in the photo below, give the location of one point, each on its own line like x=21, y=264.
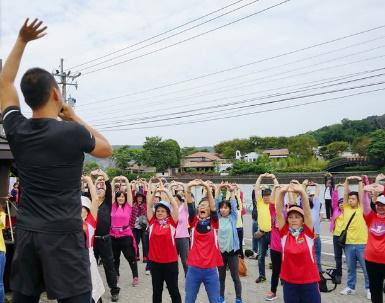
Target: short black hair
x=223, y=203
x=36, y=85
x=266, y=192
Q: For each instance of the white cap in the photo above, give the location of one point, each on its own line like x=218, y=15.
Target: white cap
x=380, y=199
x=86, y=202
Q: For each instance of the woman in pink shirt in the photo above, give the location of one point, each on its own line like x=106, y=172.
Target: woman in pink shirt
x=121, y=234
x=182, y=235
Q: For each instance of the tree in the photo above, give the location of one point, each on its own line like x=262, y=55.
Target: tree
x=302, y=146
x=360, y=144
x=228, y=148
x=375, y=150
x=89, y=166
x=333, y=149
x=124, y=154
x=161, y=154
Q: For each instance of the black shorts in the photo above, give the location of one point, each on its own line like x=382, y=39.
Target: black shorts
x=56, y=263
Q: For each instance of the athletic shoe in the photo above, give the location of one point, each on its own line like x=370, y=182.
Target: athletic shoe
x=135, y=281
x=221, y=300
x=115, y=298
x=270, y=296
x=368, y=294
x=148, y=272
x=260, y=279
x=347, y=291
x=237, y=300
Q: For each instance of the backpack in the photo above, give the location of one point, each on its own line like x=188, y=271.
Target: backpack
x=328, y=275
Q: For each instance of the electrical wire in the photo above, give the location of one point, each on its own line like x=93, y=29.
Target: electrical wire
x=187, y=39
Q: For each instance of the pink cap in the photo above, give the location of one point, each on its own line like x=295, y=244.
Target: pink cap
x=297, y=209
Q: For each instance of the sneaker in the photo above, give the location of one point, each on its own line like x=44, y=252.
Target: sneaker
x=148, y=272
x=237, y=300
x=260, y=279
x=135, y=281
x=115, y=298
x=368, y=294
x=347, y=291
x=270, y=296
x=221, y=300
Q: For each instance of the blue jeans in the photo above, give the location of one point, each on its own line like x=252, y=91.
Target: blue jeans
x=354, y=253
x=255, y=241
x=317, y=246
x=2, y=266
x=263, y=246
x=209, y=277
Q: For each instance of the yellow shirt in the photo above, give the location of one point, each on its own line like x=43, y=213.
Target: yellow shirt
x=264, y=217
x=339, y=225
x=358, y=231
x=2, y=225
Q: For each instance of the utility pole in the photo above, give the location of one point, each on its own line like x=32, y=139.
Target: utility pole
x=63, y=77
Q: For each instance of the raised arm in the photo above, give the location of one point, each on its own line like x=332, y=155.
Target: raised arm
x=94, y=197
x=210, y=197
x=27, y=33
x=128, y=190
x=258, y=187
x=279, y=205
x=346, y=190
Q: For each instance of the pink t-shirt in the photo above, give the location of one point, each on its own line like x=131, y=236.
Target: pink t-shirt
x=120, y=218
x=275, y=237
x=182, y=227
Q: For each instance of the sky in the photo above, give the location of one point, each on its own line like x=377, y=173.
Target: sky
x=209, y=80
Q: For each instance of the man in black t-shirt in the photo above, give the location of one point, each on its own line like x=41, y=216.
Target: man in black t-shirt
x=50, y=251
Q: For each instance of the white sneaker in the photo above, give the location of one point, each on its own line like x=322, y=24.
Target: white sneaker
x=347, y=291
x=368, y=294
x=148, y=272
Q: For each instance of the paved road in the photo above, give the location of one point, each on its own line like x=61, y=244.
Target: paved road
x=252, y=292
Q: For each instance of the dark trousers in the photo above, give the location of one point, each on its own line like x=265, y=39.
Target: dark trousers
x=338, y=250
x=165, y=272
x=301, y=293
x=141, y=235
x=276, y=261
x=240, y=236
x=183, y=247
x=20, y=298
x=263, y=246
x=124, y=245
x=376, y=274
x=254, y=229
x=328, y=208
x=103, y=248
x=230, y=259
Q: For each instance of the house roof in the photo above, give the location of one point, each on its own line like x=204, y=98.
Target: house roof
x=277, y=152
x=188, y=164
x=210, y=156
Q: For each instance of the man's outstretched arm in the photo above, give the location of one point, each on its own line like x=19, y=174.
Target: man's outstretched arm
x=8, y=93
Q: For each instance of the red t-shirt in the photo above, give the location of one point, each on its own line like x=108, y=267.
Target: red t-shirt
x=375, y=247
x=89, y=227
x=204, y=252
x=162, y=240
x=299, y=264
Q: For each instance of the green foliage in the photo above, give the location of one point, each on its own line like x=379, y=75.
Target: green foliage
x=89, y=166
x=375, y=150
x=161, y=154
x=261, y=143
x=114, y=172
x=228, y=148
x=124, y=154
x=359, y=145
x=333, y=149
x=302, y=146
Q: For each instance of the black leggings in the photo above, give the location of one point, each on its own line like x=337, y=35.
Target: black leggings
x=20, y=298
x=376, y=274
x=230, y=259
x=165, y=272
x=126, y=246
x=240, y=237
x=276, y=260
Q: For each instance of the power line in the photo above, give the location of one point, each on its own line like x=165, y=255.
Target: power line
x=254, y=72
x=168, y=37
x=158, y=35
x=210, y=92
x=187, y=39
x=238, y=66
x=257, y=104
x=302, y=89
x=248, y=113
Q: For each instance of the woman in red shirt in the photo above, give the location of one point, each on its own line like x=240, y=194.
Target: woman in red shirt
x=374, y=251
x=162, y=252
x=299, y=267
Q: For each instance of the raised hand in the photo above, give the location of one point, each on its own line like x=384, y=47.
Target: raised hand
x=32, y=31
